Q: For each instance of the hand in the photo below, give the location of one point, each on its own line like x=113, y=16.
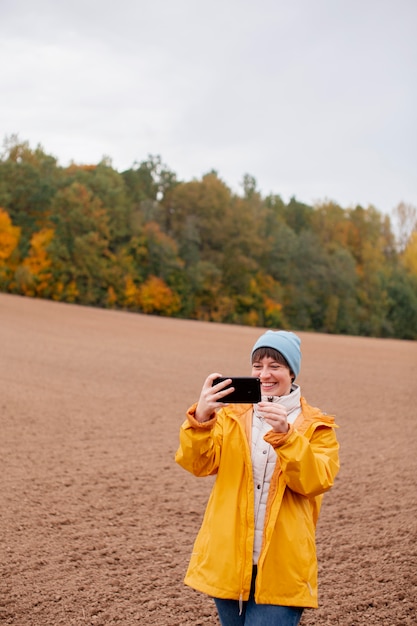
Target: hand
x=275, y=415
x=210, y=396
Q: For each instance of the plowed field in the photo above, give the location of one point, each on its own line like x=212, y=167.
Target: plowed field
x=97, y=521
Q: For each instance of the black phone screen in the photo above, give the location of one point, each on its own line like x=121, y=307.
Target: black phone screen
x=247, y=389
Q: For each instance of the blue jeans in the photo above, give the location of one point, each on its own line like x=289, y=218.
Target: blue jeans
x=256, y=614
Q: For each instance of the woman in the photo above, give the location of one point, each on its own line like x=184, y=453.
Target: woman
x=255, y=552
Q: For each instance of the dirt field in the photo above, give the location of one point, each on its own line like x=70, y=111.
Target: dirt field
x=97, y=521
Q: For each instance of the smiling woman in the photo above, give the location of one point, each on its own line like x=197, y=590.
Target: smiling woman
x=276, y=359
x=273, y=462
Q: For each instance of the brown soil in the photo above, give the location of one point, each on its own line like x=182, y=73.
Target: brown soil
x=97, y=521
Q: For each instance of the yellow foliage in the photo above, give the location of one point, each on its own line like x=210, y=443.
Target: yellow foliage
x=273, y=312
x=38, y=259
x=58, y=292
x=222, y=308
x=111, y=299
x=73, y=168
x=409, y=257
x=38, y=264
x=272, y=307
x=252, y=318
x=65, y=293
x=130, y=294
x=9, y=236
x=332, y=225
x=154, y=296
x=71, y=292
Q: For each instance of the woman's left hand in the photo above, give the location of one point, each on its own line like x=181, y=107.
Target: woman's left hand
x=274, y=414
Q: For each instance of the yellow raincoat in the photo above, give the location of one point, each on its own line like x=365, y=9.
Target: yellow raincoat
x=307, y=464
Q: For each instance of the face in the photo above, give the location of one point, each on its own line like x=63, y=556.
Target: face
x=275, y=377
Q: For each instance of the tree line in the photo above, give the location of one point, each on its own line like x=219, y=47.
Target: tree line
x=142, y=240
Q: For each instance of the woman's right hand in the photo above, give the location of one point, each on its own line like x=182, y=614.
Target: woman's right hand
x=211, y=396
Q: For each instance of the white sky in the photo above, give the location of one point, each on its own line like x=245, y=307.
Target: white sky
x=314, y=98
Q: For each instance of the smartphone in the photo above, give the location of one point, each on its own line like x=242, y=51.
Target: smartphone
x=247, y=389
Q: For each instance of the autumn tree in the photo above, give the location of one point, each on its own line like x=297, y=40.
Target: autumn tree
x=108, y=186
x=405, y=223
x=9, y=236
x=332, y=225
x=409, y=255
x=80, y=248
x=149, y=180
x=34, y=275
x=298, y=215
x=193, y=213
x=29, y=181
x=9, y=240
x=154, y=296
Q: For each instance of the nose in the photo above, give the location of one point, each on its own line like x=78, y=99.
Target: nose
x=264, y=374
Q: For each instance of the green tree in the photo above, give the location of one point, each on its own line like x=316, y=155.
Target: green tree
x=402, y=305
x=161, y=258
x=29, y=181
x=80, y=248
x=321, y=293
x=107, y=185
x=298, y=215
x=203, y=202
x=149, y=180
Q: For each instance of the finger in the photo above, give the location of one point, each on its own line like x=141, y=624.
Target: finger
x=224, y=393
x=210, y=379
x=222, y=385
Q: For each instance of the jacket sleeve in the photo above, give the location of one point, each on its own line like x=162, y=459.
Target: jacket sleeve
x=200, y=444
x=309, y=461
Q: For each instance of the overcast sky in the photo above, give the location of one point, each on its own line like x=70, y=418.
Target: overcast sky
x=314, y=98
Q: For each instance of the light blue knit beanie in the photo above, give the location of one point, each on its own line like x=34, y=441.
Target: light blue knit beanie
x=286, y=342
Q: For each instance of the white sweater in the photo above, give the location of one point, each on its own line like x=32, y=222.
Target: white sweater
x=264, y=459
